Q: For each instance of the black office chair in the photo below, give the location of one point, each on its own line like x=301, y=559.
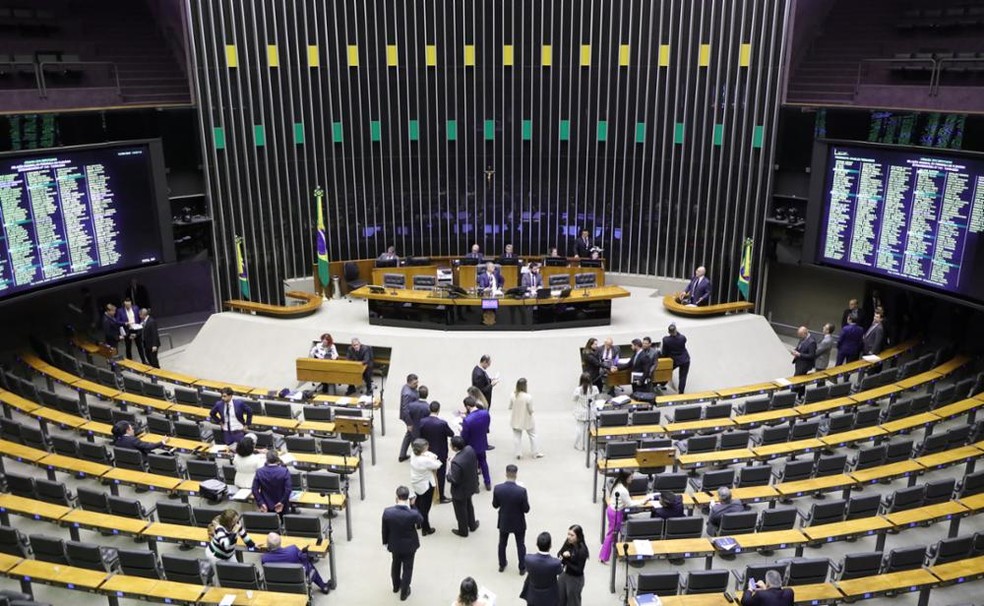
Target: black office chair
x=286, y=578
x=705, y=581
x=351, y=273
x=238, y=576
x=140, y=563
x=659, y=583
x=187, y=570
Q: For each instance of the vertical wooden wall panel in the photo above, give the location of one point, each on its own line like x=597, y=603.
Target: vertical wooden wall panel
x=433, y=124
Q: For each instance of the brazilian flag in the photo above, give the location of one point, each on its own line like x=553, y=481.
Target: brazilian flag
x=745, y=270
x=322, y=243
x=241, y=269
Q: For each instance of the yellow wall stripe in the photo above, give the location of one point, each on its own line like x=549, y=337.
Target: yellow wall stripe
x=624, y=54
x=507, y=55
x=664, y=55
x=314, y=59
x=392, y=55
x=546, y=55
x=353, y=55
x=430, y=55
x=704, y=57
x=745, y=55
x=232, y=55
x=470, y=55
x=273, y=57
x=585, y=55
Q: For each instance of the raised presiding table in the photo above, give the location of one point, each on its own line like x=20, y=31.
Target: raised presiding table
x=433, y=309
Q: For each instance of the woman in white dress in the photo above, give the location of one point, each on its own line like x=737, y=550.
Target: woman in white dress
x=247, y=460
x=584, y=396
x=521, y=405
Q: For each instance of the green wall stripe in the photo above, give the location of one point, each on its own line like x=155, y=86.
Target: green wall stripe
x=299, y=133
x=678, y=131
x=259, y=136
x=565, y=130
x=602, y=130
x=451, y=127
x=718, y=134
x=218, y=137
x=757, y=135
x=527, y=130
x=490, y=130
x=640, y=132
x=413, y=129
x=337, y=134
x=375, y=130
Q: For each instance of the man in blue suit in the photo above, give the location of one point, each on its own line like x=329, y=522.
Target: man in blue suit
x=419, y=410
x=491, y=278
x=699, y=290
x=272, y=485
x=675, y=348
x=437, y=432
x=233, y=415
x=513, y=504
x=129, y=317
x=475, y=432
x=400, y=524
x=540, y=588
x=276, y=554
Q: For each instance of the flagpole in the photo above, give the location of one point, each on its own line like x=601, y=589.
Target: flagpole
x=322, y=240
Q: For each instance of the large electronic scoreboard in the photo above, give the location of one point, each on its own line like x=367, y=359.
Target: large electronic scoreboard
x=69, y=213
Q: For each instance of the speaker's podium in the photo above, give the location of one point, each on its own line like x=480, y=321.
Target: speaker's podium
x=655, y=459
x=332, y=372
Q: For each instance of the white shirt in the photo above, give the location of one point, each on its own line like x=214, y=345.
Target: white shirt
x=324, y=353
x=230, y=421
x=246, y=469
x=421, y=471
x=624, y=498
x=131, y=318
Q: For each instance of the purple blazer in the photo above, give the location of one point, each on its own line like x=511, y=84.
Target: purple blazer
x=849, y=342
x=121, y=314
x=271, y=485
x=475, y=430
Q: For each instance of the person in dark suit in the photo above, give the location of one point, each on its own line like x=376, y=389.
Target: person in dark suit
x=419, y=410
x=651, y=353
x=638, y=365
x=463, y=476
x=670, y=506
x=129, y=317
x=475, y=253
x=491, y=278
x=874, y=338
x=805, y=352
x=277, y=554
x=573, y=555
x=475, y=433
x=481, y=380
x=400, y=524
x=272, y=485
x=532, y=279
x=125, y=437
x=357, y=352
x=437, y=432
x=231, y=414
x=583, y=245
x=111, y=327
x=150, y=339
x=675, y=348
x=725, y=504
x=513, y=504
x=698, y=290
x=508, y=253
x=593, y=365
x=408, y=394
x=769, y=593
x=540, y=587
x=850, y=342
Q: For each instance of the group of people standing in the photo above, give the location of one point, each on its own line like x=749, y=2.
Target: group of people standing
x=602, y=360
x=861, y=333
x=131, y=325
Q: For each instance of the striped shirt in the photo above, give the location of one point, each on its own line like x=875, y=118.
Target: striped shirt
x=223, y=543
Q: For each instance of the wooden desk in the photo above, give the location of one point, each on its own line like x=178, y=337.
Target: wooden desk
x=408, y=272
x=103, y=522
x=698, y=397
x=836, y=531
x=127, y=399
x=143, y=479
x=746, y=494
x=717, y=457
x=310, y=303
x=662, y=373
x=872, y=586
x=8, y=561
x=12, y=400
x=855, y=435
x=693, y=599
x=548, y=272
x=777, y=450
x=671, y=305
x=214, y=595
x=909, y=423
x=776, y=539
x=926, y=515
x=886, y=472
x=769, y=416
x=21, y=453
x=31, y=508
x=56, y=574
x=815, y=485
x=809, y=595
x=128, y=586
x=878, y=393
x=956, y=409
x=705, y=425
x=339, y=372
x=219, y=385
x=74, y=466
x=747, y=390
x=960, y=571
x=824, y=406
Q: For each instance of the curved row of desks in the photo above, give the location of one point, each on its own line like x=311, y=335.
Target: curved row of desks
x=672, y=305
x=310, y=303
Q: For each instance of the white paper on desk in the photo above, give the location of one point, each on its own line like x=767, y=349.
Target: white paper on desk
x=228, y=599
x=288, y=459
x=624, y=360
x=871, y=358
x=344, y=400
x=218, y=448
x=643, y=547
x=366, y=399
x=242, y=494
x=296, y=396
x=783, y=382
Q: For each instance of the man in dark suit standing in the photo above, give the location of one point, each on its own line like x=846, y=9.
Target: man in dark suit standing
x=436, y=431
x=150, y=339
x=419, y=410
x=231, y=414
x=463, y=476
x=400, y=524
x=129, y=317
x=638, y=365
x=675, y=348
x=540, y=588
x=805, y=352
x=481, y=380
x=699, y=290
x=874, y=337
x=475, y=433
x=513, y=504
x=583, y=245
x=111, y=327
x=357, y=352
x=408, y=394
x=272, y=486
